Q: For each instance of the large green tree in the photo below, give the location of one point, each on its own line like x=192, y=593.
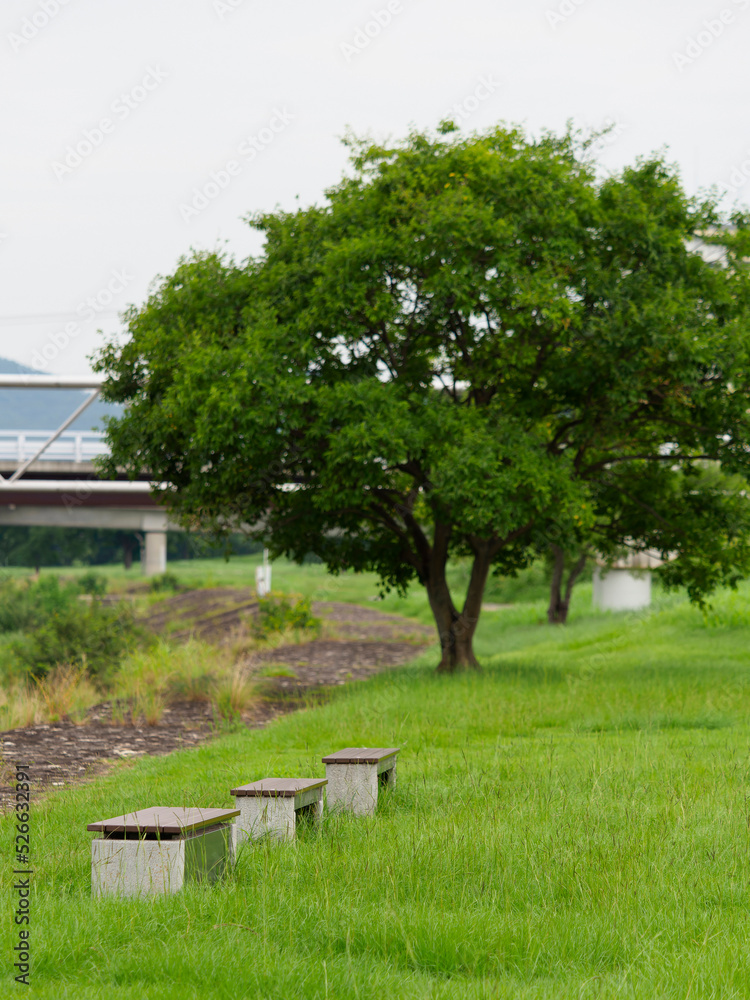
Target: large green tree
x=691, y=513
x=449, y=355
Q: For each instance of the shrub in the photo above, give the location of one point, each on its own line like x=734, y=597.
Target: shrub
x=65, y=692
x=88, y=635
x=276, y=614
x=25, y=606
x=92, y=583
x=165, y=582
x=728, y=611
x=60, y=628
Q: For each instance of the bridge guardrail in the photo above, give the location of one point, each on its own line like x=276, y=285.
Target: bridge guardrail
x=71, y=446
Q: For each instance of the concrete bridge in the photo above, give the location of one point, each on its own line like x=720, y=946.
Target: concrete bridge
x=48, y=479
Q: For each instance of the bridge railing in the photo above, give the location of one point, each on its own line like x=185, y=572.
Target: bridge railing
x=71, y=446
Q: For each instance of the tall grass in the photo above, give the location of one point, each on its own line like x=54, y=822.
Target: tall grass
x=195, y=671
x=66, y=692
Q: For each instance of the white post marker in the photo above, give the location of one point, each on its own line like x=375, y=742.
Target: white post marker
x=273, y=806
x=355, y=776
x=156, y=851
x=263, y=577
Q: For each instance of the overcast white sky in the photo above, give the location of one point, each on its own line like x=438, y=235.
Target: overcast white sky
x=189, y=85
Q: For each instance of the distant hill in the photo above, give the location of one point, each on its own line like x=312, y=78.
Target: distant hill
x=46, y=409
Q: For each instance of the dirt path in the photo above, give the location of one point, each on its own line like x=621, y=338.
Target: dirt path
x=368, y=641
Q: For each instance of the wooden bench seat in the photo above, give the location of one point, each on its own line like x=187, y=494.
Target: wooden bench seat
x=158, y=850
x=272, y=807
x=355, y=775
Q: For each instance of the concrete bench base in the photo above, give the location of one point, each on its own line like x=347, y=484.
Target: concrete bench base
x=137, y=867
x=156, y=852
x=355, y=777
x=274, y=806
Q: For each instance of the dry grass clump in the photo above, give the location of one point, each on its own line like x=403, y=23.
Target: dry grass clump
x=65, y=693
x=19, y=706
x=147, y=702
x=150, y=680
x=143, y=687
x=233, y=695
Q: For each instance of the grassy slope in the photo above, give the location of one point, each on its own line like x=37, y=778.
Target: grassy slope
x=572, y=823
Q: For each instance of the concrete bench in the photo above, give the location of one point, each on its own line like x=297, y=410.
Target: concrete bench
x=273, y=806
x=158, y=850
x=355, y=776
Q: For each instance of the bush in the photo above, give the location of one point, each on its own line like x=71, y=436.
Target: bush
x=61, y=628
x=165, y=582
x=26, y=606
x=276, y=614
x=92, y=583
x=728, y=611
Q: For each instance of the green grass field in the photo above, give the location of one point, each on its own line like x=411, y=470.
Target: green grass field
x=310, y=580
x=571, y=823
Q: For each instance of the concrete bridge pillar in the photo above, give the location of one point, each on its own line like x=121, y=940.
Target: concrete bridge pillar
x=91, y=503
x=622, y=589
x=625, y=585
x=154, y=547
x=154, y=555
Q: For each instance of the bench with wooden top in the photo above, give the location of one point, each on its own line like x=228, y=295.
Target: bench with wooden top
x=355, y=776
x=158, y=850
x=272, y=807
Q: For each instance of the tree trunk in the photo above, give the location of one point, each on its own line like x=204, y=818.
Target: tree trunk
x=127, y=553
x=559, y=603
x=456, y=630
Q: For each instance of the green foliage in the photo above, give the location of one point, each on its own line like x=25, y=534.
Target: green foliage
x=25, y=606
x=729, y=611
x=277, y=614
x=92, y=636
x=92, y=583
x=38, y=546
x=473, y=349
x=164, y=582
x=59, y=627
